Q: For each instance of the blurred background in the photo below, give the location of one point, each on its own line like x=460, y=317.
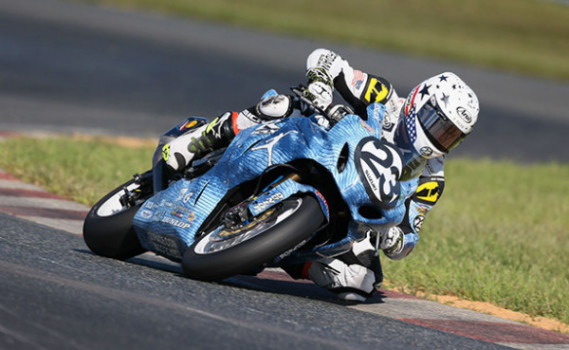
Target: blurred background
x=137, y=67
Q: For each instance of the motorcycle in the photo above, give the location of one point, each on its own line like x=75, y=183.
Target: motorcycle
x=282, y=193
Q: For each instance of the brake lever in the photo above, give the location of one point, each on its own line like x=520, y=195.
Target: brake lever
x=299, y=92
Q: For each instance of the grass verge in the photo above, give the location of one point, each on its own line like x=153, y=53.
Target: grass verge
x=499, y=233
x=528, y=36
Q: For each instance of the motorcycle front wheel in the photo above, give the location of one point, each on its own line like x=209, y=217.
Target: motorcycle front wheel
x=224, y=252
x=108, y=230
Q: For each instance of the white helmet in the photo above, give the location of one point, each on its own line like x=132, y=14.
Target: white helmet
x=436, y=116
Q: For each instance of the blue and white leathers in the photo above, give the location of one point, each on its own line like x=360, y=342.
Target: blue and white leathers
x=168, y=222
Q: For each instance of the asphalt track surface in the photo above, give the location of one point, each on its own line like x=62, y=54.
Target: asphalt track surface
x=71, y=67
x=58, y=295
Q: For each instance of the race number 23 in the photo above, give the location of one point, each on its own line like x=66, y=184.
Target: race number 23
x=379, y=167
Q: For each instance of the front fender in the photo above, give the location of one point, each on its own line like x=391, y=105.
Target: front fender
x=285, y=190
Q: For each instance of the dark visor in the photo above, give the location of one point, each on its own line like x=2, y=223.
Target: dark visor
x=439, y=129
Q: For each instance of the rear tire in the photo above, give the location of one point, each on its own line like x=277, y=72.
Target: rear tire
x=213, y=257
x=108, y=230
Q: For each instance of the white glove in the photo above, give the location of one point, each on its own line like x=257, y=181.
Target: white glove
x=350, y=282
x=320, y=94
x=320, y=88
x=392, y=242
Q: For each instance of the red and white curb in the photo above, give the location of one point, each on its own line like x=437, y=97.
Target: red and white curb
x=35, y=204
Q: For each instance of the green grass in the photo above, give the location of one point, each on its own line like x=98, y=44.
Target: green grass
x=498, y=234
x=79, y=170
x=529, y=36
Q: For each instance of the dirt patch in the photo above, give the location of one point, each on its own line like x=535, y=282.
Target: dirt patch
x=124, y=141
x=487, y=308
x=491, y=309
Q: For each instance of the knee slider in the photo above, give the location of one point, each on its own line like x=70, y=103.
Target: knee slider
x=274, y=107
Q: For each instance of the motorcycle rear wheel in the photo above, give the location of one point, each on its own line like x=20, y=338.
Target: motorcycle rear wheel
x=221, y=252
x=108, y=230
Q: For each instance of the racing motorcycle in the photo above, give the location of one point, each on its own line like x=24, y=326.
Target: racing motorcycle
x=282, y=193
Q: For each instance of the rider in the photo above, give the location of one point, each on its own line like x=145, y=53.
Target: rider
x=436, y=116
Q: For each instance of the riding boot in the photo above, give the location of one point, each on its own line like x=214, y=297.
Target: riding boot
x=180, y=152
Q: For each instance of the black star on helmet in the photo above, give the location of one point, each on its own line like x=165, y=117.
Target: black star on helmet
x=424, y=91
x=443, y=77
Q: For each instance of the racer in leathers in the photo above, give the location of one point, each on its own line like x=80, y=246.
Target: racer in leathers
x=436, y=116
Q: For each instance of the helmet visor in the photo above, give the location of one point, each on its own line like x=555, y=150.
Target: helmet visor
x=440, y=130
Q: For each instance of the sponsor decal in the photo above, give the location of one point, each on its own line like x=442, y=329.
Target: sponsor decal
x=277, y=197
x=188, y=124
x=418, y=223
x=146, y=214
x=463, y=113
x=325, y=61
x=247, y=114
x=166, y=152
x=181, y=194
x=426, y=151
x=376, y=91
x=175, y=222
x=177, y=213
x=266, y=129
x=187, y=197
x=191, y=216
x=428, y=192
x=271, y=143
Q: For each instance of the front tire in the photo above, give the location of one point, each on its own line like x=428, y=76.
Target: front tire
x=221, y=253
x=108, y=230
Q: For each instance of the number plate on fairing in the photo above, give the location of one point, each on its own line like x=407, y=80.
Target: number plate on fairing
x=379, y=167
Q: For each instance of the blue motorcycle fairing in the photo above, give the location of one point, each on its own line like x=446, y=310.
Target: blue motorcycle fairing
x=168, y=222
x=284, y=190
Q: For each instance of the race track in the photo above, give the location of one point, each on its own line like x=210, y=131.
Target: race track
x=58, y=295
x=71, y=67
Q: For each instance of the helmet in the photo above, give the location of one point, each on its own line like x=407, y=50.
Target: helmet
x=436, y=117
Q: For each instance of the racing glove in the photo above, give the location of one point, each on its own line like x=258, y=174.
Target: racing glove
x=320, y=88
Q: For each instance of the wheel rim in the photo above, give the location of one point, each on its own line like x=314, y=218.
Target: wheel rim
x=222, y=238
x=112, y=205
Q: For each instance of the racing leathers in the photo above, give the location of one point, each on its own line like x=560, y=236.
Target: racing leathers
x=357, y=274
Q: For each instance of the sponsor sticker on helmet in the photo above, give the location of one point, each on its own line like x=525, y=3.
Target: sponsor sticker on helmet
x=463, y=113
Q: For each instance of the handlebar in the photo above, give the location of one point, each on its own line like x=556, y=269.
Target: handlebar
x=333, y=113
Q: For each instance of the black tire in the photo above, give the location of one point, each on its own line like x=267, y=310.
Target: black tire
x=108, y=233
x=253, y=252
